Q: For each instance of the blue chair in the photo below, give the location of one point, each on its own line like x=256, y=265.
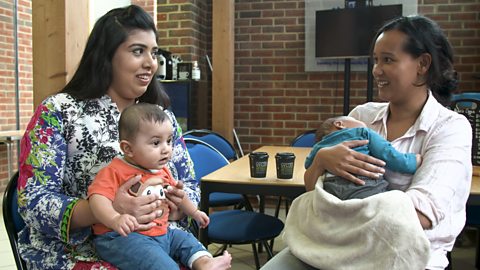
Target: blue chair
x=239, y=227
x=306, y=139
x=214, y=139
x=232, y=227
x=205, y=165
x=468, y=104
x=12, y=219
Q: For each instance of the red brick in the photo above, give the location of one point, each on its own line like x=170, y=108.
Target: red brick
x=273, y=13
x=436, y=2
x=286, y=53
x=272, y=140
x=262, y=22
x=285, y=84
x=285, y=5
x=262, y=85
x=286, y=69
x=295, y=124
x=272, y=61
x=449, y=8
x=262, y=132
x=465, y=16
x=262, y=6
x=274, y=77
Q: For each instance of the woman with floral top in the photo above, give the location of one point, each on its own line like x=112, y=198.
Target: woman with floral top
x=73, y=134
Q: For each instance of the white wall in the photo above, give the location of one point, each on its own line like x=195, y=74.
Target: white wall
x=97, y=8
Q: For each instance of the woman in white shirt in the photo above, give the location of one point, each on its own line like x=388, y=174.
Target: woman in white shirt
x=413, y=70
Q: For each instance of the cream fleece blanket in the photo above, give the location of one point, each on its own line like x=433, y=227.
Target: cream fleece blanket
x=378, y=232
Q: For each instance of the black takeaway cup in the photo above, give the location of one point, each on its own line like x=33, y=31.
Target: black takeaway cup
x=285, y=162
x=258, y=164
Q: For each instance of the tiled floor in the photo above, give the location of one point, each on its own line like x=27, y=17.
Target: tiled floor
x=463, y=255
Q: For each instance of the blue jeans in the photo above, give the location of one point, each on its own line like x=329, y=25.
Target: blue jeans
x=138, y=251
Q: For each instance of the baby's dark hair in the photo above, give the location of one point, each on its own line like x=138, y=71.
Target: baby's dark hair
x=133, y=116
x=325, y=127
x=425, y=36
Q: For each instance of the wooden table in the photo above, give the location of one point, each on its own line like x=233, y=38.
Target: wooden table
x=8, y=137
x=235, y=178
x=474, y=198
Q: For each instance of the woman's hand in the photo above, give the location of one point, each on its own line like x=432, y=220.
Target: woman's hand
x=143, y=208
x=175, y=196
x=344, y=162
x=424, y=221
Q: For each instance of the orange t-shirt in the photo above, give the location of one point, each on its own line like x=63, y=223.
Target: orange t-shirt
x=110, y=178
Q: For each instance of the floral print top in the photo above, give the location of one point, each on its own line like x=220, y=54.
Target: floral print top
x=66, y=143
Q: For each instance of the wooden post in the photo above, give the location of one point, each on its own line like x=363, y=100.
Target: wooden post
x=223, y=20
x=60, y=32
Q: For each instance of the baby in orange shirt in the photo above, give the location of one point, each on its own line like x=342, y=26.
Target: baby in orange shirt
x=146, y=141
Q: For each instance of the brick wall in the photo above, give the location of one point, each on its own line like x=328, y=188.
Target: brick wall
x=460, y=19
x=275, y=99
x=184, y=28
x=149, y=6
x=270, y=72
x=8, y=95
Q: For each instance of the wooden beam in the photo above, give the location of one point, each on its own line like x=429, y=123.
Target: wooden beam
x=223, y=20
x=60, y=31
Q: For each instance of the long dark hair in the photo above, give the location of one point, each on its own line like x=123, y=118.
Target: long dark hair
x=94, y=73
x=425, y=36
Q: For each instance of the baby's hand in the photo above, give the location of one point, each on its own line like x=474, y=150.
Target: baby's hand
x=124, y=224
x=202, y=219
x=419, y=160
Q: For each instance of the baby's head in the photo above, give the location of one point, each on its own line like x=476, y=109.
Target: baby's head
x=337, y=123
x=146, y=135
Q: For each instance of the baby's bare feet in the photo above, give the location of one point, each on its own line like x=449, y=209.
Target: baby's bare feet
x=216, y=263
x=221, y=262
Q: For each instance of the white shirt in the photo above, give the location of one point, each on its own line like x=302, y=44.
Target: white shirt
x=441, y=185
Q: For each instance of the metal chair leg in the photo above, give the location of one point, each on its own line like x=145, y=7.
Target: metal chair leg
x=277, y=209
x=220, y=251
x=287, y=205
x=255, y=255
x=268, y=248
x=477, y=251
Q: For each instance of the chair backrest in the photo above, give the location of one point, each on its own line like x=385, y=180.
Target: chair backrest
x=306, y=139
x=237, y=141
x=468, y=104
x=12, y=219
x=205, y=157
x=214, y=139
